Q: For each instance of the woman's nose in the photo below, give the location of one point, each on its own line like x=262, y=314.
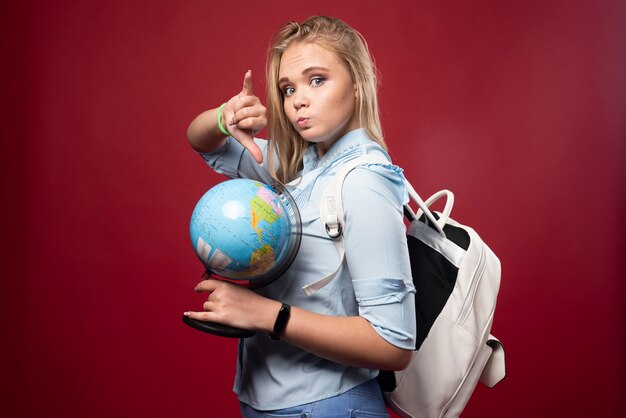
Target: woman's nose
x=300, y=99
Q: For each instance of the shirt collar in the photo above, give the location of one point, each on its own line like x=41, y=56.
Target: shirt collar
x=353, y=138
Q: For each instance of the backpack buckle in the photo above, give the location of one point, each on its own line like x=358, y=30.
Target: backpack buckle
x=334, y=231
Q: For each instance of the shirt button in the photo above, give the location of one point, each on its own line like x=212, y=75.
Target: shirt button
x=303, y=416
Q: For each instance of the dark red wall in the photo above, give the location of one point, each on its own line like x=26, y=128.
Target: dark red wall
x=517, y=106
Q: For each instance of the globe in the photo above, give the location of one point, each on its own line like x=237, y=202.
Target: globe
x=245, y=230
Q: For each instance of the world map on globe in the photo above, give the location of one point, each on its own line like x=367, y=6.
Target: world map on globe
x=240, y=229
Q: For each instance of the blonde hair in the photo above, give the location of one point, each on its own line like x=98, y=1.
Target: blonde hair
x=351, y=48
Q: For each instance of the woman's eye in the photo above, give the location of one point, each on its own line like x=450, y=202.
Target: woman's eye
x=317, y=81
x=288, y=91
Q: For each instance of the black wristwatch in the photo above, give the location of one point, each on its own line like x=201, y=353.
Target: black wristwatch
x=281, y=321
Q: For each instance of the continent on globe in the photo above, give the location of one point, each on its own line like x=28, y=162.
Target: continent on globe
x=262, y=211
x=269, y=197
x=262, y=259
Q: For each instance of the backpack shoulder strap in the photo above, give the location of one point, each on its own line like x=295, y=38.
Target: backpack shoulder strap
x=331, y=213
x=331, y=205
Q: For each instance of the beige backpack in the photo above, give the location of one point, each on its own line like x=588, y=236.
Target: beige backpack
x=457, y=278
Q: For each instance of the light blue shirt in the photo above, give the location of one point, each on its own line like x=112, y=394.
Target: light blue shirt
x=374, y=281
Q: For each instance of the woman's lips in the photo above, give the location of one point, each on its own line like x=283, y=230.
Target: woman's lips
x=303, y=122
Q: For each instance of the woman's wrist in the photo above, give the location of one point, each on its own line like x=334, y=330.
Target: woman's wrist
x=220, y=120
x=265, y=313
x=203, y=134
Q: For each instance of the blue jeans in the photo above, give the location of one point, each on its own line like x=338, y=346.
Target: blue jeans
x=364, y=400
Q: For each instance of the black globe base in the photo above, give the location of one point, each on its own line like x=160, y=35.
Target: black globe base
x=217, y=329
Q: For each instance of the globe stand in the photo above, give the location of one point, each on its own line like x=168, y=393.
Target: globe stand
x=217, y=329
x=262, y=280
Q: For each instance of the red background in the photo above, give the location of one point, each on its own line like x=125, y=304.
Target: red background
x=517, y=106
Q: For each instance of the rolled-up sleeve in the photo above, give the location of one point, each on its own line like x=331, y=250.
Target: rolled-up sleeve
x=377, y=254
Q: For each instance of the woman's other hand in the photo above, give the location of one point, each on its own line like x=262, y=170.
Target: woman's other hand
x=236, y=306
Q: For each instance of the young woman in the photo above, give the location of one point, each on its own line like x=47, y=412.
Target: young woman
x=322, y=112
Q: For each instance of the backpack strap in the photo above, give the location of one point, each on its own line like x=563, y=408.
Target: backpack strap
x=331, y=212
x=331, y=206
x=495, y=369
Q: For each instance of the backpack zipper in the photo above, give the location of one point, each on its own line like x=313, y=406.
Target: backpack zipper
x=467, y=306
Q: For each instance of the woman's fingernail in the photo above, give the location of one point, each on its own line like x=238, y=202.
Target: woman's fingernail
x=186, y=313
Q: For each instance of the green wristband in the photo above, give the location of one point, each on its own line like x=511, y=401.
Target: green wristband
x=219, y=120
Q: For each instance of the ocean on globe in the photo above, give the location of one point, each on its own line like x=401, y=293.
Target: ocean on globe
x=241, y=229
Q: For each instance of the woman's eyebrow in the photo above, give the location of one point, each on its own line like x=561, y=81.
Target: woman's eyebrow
x=313, y=69
x=304, y=72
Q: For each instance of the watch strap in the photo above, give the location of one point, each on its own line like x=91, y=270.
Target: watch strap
x=281, y=321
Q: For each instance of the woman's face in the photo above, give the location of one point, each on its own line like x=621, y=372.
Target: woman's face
x=318, y=92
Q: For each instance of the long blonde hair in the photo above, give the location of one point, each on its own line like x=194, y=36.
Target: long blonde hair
x=351, y=48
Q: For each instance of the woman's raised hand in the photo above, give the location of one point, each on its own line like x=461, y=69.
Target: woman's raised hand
x=244, y=116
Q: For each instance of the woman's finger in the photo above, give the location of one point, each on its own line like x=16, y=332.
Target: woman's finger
x=208, y=285
x=242, y=112
x=244, y=101
x=202, y=316
x=247, y=84
x=255, y=124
